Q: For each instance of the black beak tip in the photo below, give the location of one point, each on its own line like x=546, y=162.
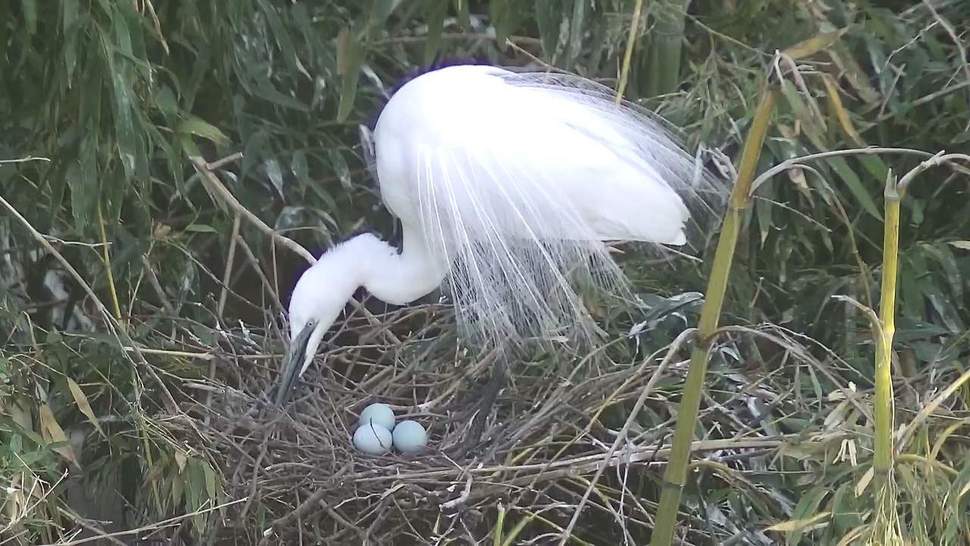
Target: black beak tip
x=292, y=363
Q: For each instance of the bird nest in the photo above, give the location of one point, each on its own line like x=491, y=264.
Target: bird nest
x=554, y=455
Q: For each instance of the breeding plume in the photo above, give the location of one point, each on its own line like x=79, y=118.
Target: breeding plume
x=507, y=186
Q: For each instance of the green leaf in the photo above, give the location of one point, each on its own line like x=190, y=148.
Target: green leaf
x=201, y=128
x=340, y=168
x=125, y=136
x=298, y=164
x=577, y=27
x=350, y=55
x=69, y=16
x=855, y=186
x=805, y=516
x=505, y=19
x=200, y=228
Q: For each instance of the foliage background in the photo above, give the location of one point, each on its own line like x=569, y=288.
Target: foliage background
x=116, y=95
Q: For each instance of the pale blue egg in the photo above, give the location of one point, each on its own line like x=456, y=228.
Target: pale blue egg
x=379, y=414
x=373, y=439
x=410, y=437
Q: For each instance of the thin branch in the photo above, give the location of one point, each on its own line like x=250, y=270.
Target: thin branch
x=634, y=413
x=214, y=185
x=797, y=161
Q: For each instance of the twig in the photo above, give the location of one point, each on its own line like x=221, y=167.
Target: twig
x=157, y=286
x=254, y=263
x=227, y=274
x=460, y=499
x=797, y=161
x=101, y=533
x=953, y=36
x=23, y=160
x=928, y=410
x=628, y=54
x=634, y=413
x=212, y=182
x=152, y=527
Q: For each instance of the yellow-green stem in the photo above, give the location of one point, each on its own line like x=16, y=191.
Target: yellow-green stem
x=499, y=527
x=883, y=410
x=628, y=54
x=676, y=474
x=116, y=306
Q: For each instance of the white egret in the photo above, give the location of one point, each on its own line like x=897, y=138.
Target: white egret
x=507, y=184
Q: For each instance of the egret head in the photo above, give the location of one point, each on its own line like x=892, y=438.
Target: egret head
x=316, y=302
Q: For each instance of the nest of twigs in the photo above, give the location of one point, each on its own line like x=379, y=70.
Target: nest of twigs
x=537, y=464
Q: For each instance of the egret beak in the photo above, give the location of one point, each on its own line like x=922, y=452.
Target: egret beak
x=293, y=363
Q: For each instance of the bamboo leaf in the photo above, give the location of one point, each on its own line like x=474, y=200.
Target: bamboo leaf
x=350, y=56
x=841, y=115
x=55, y=436
x=195, y=126
x=813, y=45
x=797, y=526
x=855, y=186
x=805, y=516
x=82, y=404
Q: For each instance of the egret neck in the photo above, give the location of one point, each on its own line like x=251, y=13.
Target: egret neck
x=364, y=261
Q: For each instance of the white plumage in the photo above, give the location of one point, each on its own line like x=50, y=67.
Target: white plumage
x=507, y=185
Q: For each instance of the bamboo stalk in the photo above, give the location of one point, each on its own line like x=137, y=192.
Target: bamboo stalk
x=676, y=474
x=628, y=54
x=884, y=498
x=665, y=46
x=883, y=410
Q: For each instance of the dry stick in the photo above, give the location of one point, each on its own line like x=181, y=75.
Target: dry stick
x=796, y=162
x=212, y=182
x=953, y=36
x=928, y=409
x=259, y=272
x=101, y=533
x=170, y=522
x=157, y=286
x=227, y=274
x=305, y=506
x=23, y=160
x=621, y=437
x=649, y=455
x=214, y=185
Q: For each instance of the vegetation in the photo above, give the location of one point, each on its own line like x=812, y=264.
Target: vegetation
x=141, y=309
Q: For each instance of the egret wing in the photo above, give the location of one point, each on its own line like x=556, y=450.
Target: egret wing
x=518, y=178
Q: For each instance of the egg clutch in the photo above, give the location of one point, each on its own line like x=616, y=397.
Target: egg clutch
x=377, y=433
